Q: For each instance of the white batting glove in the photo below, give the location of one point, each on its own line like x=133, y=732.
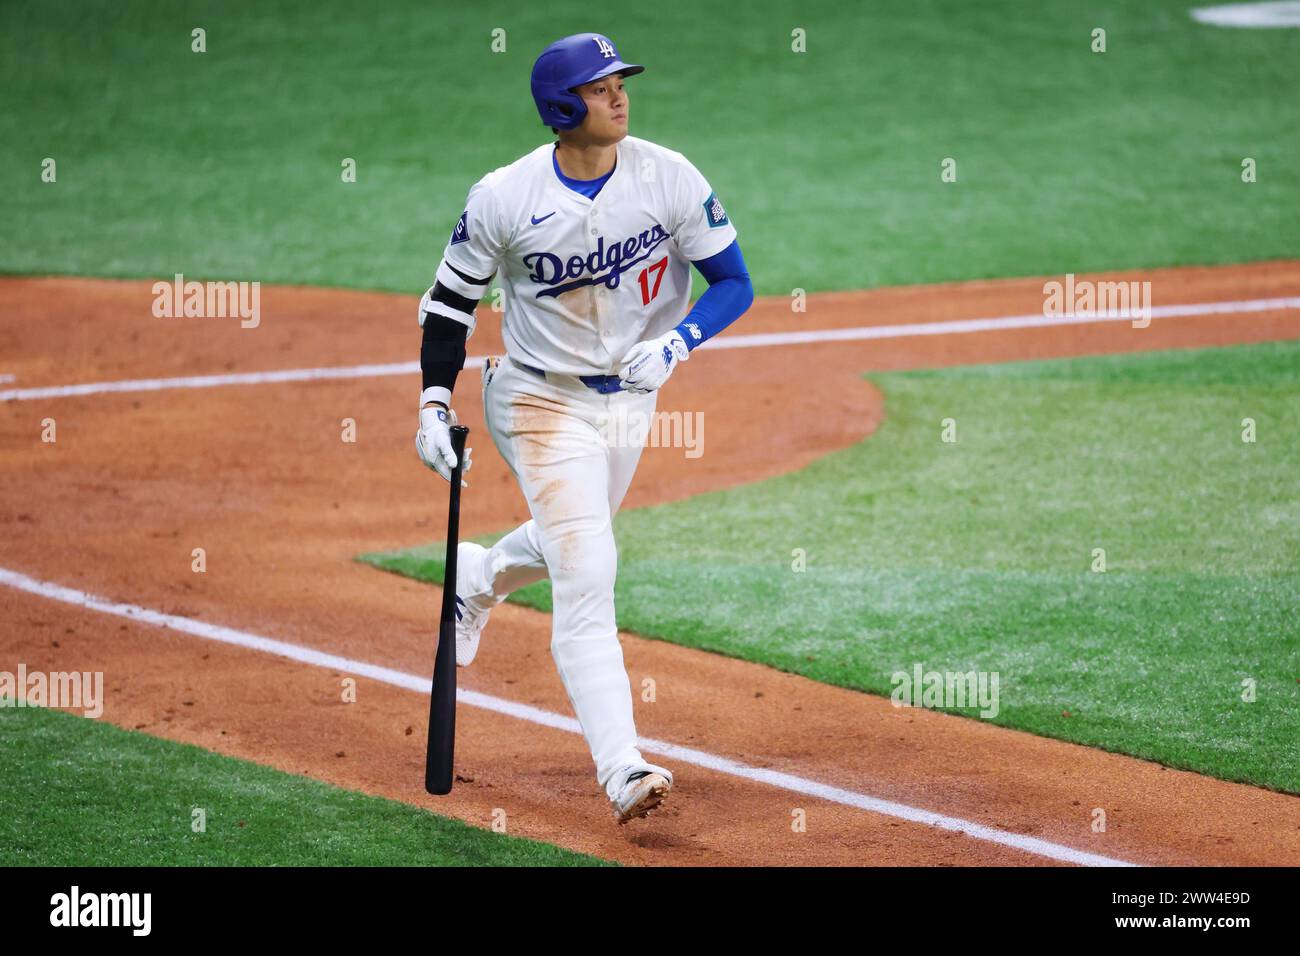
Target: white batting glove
x=433, y=442
x=647, y=365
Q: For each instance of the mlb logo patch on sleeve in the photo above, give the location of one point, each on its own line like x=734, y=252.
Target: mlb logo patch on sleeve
x=713, y=209
x=461, y=232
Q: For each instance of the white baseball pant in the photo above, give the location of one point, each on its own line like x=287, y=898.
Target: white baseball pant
x=573, y=452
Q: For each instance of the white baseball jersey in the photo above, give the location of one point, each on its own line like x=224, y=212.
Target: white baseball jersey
x=584, y=280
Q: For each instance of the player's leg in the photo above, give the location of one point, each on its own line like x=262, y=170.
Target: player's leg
x=516, y=560
x=486, y=576
x=549, y=436
x=636, y=788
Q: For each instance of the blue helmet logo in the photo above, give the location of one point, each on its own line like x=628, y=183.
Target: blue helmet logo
x=572, y=62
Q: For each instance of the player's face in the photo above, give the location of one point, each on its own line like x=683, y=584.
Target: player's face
x=606, y=99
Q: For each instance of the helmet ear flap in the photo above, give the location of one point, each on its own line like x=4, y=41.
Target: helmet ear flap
x=568, y=108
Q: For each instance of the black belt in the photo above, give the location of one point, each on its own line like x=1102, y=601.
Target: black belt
x=604, y=384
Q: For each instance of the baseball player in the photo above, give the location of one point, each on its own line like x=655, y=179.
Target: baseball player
x=594, y=237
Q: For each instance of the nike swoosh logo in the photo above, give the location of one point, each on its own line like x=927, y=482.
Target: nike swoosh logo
x=538, y=222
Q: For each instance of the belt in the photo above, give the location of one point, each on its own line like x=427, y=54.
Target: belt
x=604, y=384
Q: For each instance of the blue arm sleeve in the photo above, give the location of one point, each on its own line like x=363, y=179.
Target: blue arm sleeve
x=725, y=300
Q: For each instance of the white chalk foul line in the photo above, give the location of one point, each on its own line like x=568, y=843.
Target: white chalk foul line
x=959, y=327
x=420, y=684
x=212, y=381
x=967, y=326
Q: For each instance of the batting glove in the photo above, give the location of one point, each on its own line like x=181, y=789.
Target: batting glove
x=647, y=365
x=433, y=441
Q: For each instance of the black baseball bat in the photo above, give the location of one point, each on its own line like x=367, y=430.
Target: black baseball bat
x=441, y=749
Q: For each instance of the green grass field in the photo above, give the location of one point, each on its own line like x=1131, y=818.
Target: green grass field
x=76, y=792
x=226, y=164
x=978, y=554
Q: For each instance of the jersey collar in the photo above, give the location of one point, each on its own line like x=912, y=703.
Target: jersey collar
x=613, y=176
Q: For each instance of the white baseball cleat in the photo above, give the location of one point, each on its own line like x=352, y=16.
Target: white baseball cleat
x=642, y=788
x=472, y=605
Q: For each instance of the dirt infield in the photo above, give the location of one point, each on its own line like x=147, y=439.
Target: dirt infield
x=257, y=475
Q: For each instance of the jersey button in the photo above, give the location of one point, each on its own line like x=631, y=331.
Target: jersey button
x=594, y=231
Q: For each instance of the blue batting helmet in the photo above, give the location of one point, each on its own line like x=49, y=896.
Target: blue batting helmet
x=571, y=62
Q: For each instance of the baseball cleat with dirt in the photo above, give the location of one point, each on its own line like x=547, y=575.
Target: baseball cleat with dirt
x=642, y=791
